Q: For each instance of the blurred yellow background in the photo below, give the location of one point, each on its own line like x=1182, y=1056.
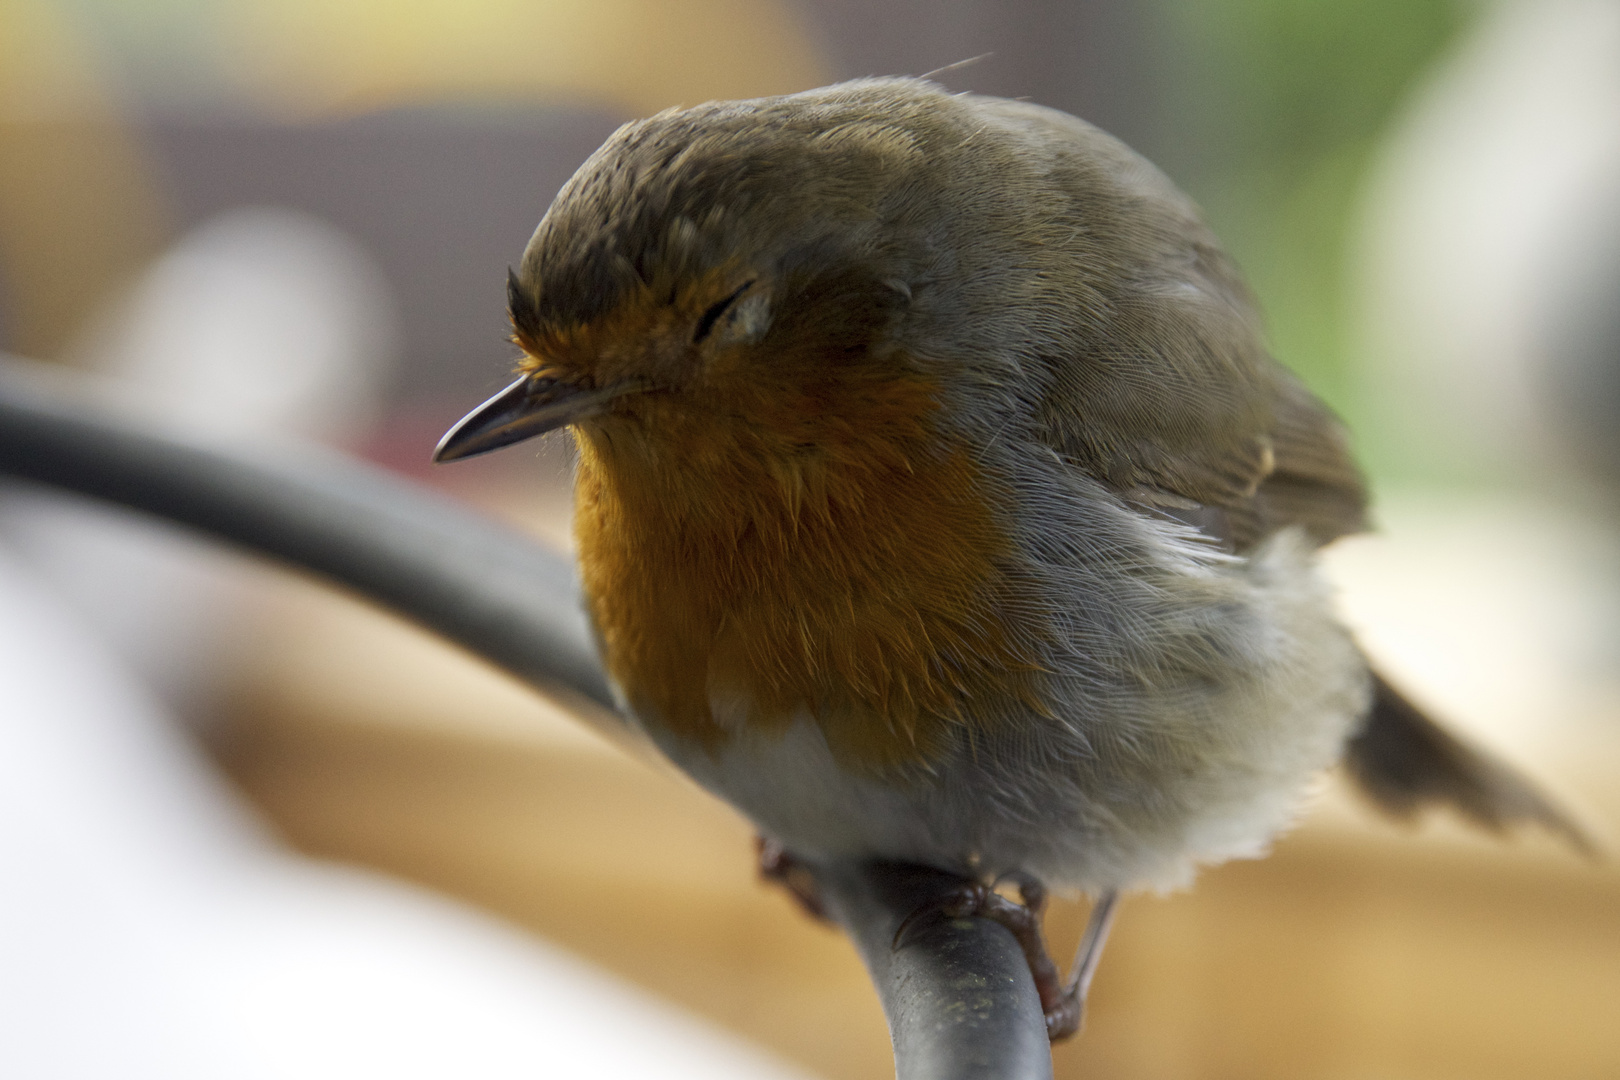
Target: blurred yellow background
x=1415, y=241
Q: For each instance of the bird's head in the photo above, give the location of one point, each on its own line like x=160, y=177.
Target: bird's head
x=736, y=264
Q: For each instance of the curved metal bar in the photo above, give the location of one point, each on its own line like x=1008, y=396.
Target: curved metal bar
x=958, y=994
x=488, y=588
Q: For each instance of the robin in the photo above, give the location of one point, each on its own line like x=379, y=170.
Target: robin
x=937, y=500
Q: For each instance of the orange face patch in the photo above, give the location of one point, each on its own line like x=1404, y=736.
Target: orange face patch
x=804, y=545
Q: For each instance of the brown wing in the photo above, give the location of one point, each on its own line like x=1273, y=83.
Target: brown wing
x=1163, y=388
x=1402, y=760
x=1170, y=398
x=1178, y=406
x=1315, y=482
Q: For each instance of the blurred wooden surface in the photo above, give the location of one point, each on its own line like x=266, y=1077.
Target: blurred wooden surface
x=1358, y=949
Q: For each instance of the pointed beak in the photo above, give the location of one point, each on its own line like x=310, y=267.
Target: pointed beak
x=533, y=405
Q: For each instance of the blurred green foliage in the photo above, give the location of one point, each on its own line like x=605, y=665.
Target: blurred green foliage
x=1275, y=110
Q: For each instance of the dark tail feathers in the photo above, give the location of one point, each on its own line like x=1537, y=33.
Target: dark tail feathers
x=1405, y=762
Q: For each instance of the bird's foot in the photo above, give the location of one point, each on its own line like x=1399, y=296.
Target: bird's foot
x=1062, y=1002
x=776, y=864
x=1023, y=921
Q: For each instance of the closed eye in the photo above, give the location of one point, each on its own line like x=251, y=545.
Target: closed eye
x=712, y=316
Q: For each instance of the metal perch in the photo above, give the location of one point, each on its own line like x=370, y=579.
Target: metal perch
x=958, y=994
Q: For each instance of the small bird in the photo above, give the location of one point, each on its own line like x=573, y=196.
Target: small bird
x=938, y=501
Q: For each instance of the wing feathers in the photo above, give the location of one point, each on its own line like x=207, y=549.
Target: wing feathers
x=1404, y=762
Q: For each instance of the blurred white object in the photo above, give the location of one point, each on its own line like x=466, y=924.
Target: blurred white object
x=1477, y=223
x=260, y=320
x=149, y=928
x=1579, y=340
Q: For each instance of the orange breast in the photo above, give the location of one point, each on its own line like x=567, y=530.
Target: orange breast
x=828, y=555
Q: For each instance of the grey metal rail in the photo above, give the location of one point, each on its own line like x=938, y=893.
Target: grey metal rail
x=958, y=995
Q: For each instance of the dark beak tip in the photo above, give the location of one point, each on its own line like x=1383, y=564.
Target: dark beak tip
x=471, y=438
x=523, y=410
x=456, y=445
x=482, y=429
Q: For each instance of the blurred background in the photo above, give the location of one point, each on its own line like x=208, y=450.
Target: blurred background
x=289, y=216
